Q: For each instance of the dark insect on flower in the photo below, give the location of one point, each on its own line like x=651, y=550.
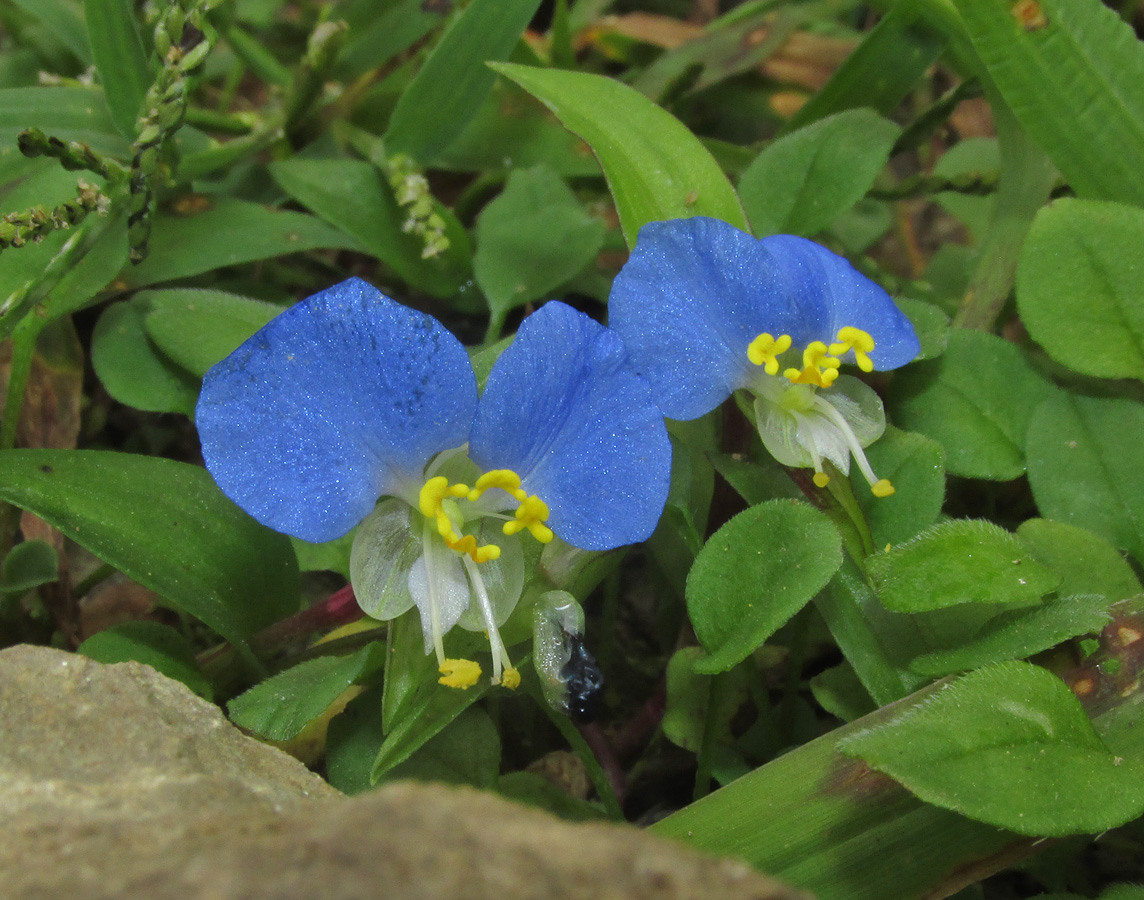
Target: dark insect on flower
x=583, y=681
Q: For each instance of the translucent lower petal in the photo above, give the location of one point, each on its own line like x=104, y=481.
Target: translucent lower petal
x=385, y=547
x=438, y=578
x=341, y=399
x=832, y=294
x=563, y=410
x=689, y=301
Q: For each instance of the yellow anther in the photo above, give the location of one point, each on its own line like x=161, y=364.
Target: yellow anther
x=882, y=488
x=511, y=679
x=857, y=340
x=531, y=514
x=468, y=544
x=765, y=350
x=821, y=479
x=818, y=368
x=505, y=479
x=459, y=673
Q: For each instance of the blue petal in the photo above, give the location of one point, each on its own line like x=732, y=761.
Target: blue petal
x=563, y=410
x=832, y=294
x=339, y=400
x=688, y=302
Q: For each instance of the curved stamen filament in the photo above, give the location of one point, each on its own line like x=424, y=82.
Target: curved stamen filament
x=880, y=487
x=501, y=661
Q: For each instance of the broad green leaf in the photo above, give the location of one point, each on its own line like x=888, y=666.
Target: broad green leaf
x=65, y=21
x=841, y=694
x=882, y=71
x=976, y=400
x=806, y=179
x=332, y=556
x=960, y=561
x=693, y=707
x=1080, y=286
x=756, y=572
x=119, y=58
x=281, y=706
x=228, y=233
x=656, y=168
x=154, y=644
x=1020, y=633
x=133, y=370
x=466, y=751
x=1072, y=72
x=166, y=525
x=1010, y=746
x=454, y=81
x=915, y=466
x=1084, y=466
x=1087, y=563
x=197, y=328
x=352, y=196
x=531, y=239
x=351, y=743
x=28, y=565
x=511, y=131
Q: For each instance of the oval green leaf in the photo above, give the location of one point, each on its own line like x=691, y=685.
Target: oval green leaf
x=656, y=168
x=806, y=179
x=1084, y=466
x=1080, y=286
x=1009, y=746
x=962, y=561
x=166, y=525
x=151, y=643
x=756, y=572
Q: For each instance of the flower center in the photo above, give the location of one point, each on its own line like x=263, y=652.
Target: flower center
x=819, y=362
x=438, y=502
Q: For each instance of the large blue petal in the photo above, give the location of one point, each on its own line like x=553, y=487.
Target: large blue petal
x=563, y=410
x=832, y=294
x=339, y=400
x=691, y=298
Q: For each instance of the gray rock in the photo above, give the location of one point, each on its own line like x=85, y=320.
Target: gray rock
x=116, y=782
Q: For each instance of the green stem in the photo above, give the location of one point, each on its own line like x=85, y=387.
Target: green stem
x=712, y=726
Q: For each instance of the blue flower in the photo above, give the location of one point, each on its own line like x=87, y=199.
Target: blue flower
x=349, y=408
x=706, y=310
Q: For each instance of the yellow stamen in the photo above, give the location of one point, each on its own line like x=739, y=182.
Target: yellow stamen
x=505, y=479
x=531, y=514
x=511, y=679
x=765, y=350
x=882, y=488
x=818, y=368
x=431, y=502
x=857, y=340
x=821, y=479
x=459, y=673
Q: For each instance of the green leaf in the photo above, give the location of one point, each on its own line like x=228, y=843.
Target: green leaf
x=531, y=239
x=69, y=113
x=976, y=400
x=930, y=323
x=803, y=181
x=166, y=525
x=534, y=789
x=119, y=58
x=1084, y=466
x=692, y=703
x=881, y=72
x=278, y=708
x=961, y=561
x=1009, y=746
x=1074, y=74
x=375, y=40
x=915, y=466
x=1020, y=633
x=151, y=643
x=756, y=572
x=466, y=751
x=65, y=21
x=839, y=692
x=28, y=565
x=133, y=370
x=351, y=743
x=454, y=81
x=229, y=233
x=1080, y=286
x=352, y=196
x=1087, y=563
x=656, y=168
x=81, y=284
x=196, y=328
x=972, y=157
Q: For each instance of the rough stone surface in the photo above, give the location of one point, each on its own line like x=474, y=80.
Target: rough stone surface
x=117, y=782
